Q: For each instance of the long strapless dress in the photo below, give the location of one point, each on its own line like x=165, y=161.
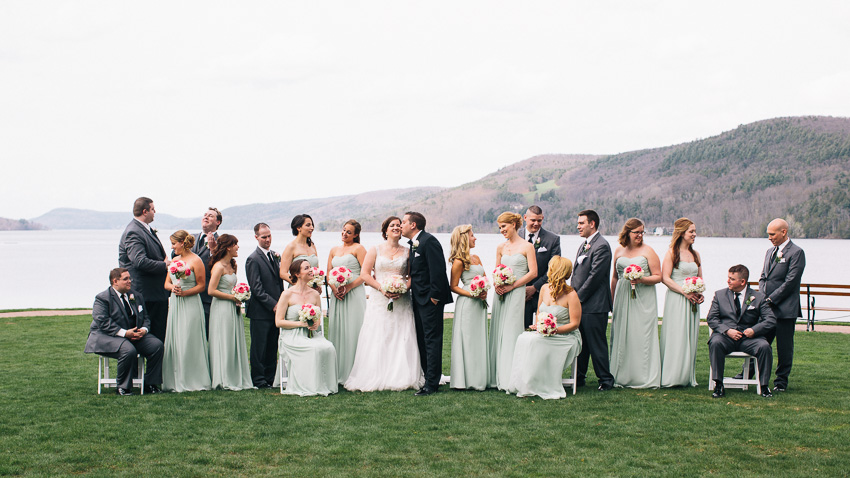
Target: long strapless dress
x=345, y=318
x=506, y=324
x=540, y=361
x=229, y=366
x=679, y=333
x=185, y=360
x=311, y=362
x=470, y=363
x=635, y=354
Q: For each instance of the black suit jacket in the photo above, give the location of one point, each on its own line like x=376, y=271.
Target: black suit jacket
x=780, y=281
x=428, y=271
x=109, y=316
x=265, y=283
x=592, y=276
x=756, y=315
x=141, y=253
x=550, y=245
x=203, y=251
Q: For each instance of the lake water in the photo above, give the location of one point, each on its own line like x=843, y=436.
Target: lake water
x=67, y=268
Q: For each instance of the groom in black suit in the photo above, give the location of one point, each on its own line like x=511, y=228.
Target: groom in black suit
x=545, y=245
x=431, y=293
x=263, y=270
x=141, y=253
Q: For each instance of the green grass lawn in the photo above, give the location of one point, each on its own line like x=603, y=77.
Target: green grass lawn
x=54, y=423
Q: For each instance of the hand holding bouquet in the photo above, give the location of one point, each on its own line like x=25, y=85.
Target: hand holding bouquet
x=310, y=314
x=180, y=270
x=503, y=275
x=241, y=291
x=393, y=285
x=318, y=278
x=693, y=285
x=547, y=325
x=478, y=287
x=633, y=273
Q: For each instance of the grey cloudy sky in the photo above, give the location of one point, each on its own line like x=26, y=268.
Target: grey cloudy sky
x=213, y=103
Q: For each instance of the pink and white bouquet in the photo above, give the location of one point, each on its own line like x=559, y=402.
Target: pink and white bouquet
x=340, y=276
x=241, y=291
x=547, y=325
x=479, y=285
x=318, y=278
x=310, y=313
x=693, y=285
x=180, y=270
x=394, y=285
x=503, y=275
x=633, y=272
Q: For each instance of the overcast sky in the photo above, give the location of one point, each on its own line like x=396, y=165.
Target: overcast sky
x=211, y=103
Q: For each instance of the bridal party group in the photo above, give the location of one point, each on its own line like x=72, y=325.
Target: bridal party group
x=182, y=311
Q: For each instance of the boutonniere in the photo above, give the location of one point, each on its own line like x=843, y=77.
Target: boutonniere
x=586, y=247
x=778, y=257
x=750, y=300
x=132, y=299
x=276, y=255
x=415, y=245
x=154, y=231
x=537, y=244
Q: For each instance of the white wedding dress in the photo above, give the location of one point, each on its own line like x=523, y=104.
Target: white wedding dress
x=387, y=356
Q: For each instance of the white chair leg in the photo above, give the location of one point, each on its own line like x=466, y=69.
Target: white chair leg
x=575, y=375
x=758, y=376
x=746, y=373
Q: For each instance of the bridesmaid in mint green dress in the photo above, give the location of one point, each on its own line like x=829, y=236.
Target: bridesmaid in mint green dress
x=185, y=363
x=540, y=360
x=470, y=362
x=680, y=325
x=508, y=319
x=229, y=365
x=302, y=247
x=310, y=361
x=635, y=355
x=348, y=304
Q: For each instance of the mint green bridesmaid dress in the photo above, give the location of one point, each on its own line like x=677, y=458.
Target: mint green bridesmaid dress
x=311, y=362
x=470, y=362
x=345, y=318
x=229, y=366
x=506, y=325
x=185, y=361
x=679, y=333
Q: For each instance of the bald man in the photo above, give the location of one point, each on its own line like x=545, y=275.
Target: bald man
x=780, y=283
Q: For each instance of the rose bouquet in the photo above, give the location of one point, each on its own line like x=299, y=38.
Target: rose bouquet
x=340, y=276
x=693, y=285
x=633, y=272
x=478, y=286
x=180, y=270
x=318, y=278
x=310, y=313
x=547, y=325
x=503, y=275
x=241, y=291
x=394, y=285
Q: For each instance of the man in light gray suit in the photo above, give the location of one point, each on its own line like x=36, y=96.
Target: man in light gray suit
x=740, y=318
x=591, y=281
x=119, y=330
x=263, y=270
x=780, y=283
x=140, y=252
x=545, y=245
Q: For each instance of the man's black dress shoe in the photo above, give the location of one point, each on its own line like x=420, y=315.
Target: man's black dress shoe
x=741, y=375
x=152, y=389
x=123, y=391
x=719, y=391
x=765, y=392
x=424, y=392
x=579, y=383
x=779, y=388
x=603, y=387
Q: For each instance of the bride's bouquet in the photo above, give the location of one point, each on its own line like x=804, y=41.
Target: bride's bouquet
x=633, y=272
x=693, y=285
x=394, y=285
x=503, y=275
x=340, y=276
x=180, y=270
x=318, y=278
x=478, y=286
x=310, y=313
x=241, y=291
x=547, y=325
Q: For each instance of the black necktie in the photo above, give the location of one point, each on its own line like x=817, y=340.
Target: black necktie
x=410, y=257
x=271, y=257
x=531, y=237
x=128, y=309
x=773, y=256
x=737, y=304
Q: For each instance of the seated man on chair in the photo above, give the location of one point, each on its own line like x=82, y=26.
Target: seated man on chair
x=119, y=330
x=740, y=317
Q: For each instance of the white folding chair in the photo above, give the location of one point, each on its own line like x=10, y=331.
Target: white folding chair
x=742, y=383
x=104, y=380
x=573, y=380
x=284, y=374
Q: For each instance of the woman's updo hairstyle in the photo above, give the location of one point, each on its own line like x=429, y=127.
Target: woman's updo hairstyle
x=508, y=217
x=299, y=221
x=294, y=269
x=183, y=237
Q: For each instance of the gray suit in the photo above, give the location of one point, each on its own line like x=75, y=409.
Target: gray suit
x=549, y=245
x=756, y=315
x=142, y=254
x=780, y=282
x=266, y=287
x=591, y=280
x=108, y=318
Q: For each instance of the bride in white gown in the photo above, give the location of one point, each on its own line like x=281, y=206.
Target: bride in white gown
x=387, y=356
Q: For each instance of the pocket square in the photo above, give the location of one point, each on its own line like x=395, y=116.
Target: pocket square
x=415, y=254
x=782, y=261
x=140, y=308
x=581, y=259
x=542, y=249
x=752, y=307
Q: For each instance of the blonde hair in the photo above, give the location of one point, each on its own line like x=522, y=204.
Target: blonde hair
x=460, y=245
x=183, y=237
x=680, y=227
x=560, y=269
x=628, y=227
x=508, y=217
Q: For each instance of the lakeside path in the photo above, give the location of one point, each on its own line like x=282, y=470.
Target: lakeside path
x=842, y=329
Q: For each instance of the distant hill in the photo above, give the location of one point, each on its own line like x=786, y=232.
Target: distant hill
x=731, y=185
x=19, y=225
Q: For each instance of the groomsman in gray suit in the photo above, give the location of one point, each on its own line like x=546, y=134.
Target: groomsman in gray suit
x=780, y=283
x=591, y=281
x=204, y=243
x=141, y=253
x=263, y=270
x=119, y=330
x=546, y=245
x=740, y=318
